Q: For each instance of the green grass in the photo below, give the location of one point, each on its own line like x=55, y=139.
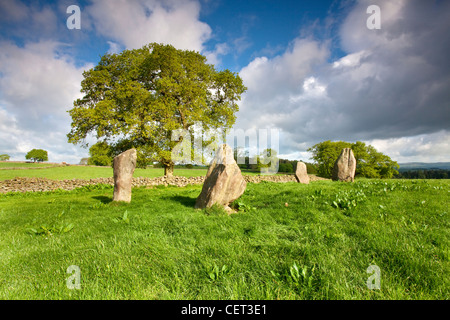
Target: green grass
x=25, y=165
x=159, y=247
x=87, y=172
x=91, y=172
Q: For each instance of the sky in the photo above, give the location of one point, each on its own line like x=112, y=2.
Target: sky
x=314, y=70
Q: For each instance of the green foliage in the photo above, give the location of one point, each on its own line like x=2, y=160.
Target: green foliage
x=124, y=218
x=241, y=206
x=424, y=174
x=50, y=230
x=311, y=168
x=144, y=154
x=263, y=161
x=216, y=273
x=303, y=278
x=369, y=162
x=142, y=95
x=38, y=155
x=347, y=200
x=100, y=154
x=4, y=157
x=266, y=158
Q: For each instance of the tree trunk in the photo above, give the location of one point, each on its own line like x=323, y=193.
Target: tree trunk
x=168, y=170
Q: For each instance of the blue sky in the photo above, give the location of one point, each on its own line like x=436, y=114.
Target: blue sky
x=313, y=69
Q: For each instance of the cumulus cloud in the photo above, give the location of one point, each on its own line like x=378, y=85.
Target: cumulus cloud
x=272, y=83
x=136, y=23
x=214, y=57
x=38, y=84
x=392, y=84
x=394, y=81
x=432, y=147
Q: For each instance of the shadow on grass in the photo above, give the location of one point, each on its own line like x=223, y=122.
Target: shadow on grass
x=185, y=201
x=103, y=199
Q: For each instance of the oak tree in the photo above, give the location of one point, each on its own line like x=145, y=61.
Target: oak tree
x=38, y=155
x=139, y=97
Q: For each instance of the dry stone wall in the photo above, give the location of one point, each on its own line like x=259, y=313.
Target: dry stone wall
x=44, y=184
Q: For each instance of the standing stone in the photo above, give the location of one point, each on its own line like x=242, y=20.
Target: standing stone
x=224, y=182
x=124, y=165
x=301, y=173
x=345, y=166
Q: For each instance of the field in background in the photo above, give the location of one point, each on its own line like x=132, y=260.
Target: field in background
x=288, y=241
x=21, y=165
x=88, y=172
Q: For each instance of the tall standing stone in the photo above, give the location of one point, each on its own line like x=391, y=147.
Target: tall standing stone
x=345, y=166
x=301, y=173
x=124, y=165
x=224, y=182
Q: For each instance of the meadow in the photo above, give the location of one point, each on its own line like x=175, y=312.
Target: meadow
x=287, y=241
x=89, y=172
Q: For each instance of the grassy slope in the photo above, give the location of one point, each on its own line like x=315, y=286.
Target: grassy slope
x=165, y=249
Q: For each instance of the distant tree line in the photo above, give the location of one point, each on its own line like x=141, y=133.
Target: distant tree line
x=424, y=174
x=256, y=162
x=36, y=155
x=369, y=162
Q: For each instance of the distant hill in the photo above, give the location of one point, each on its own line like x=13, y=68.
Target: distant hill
x=424, y=166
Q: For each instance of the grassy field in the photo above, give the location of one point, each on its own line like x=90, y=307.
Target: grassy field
x=87, y=172
x=9, y=164
x=90, y=172
x=288, y=241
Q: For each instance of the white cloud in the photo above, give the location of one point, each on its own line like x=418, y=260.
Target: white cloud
x=114, y=47
x=213, y=57
x=273, y=82
x=38, y=84
x=434, y=147
x=136, y=23
x=392, y=84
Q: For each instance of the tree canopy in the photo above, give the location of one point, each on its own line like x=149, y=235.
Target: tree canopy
x=38, y=155
x=139, y=97
x=369, y=162
x=4, y=157
x=100, y=154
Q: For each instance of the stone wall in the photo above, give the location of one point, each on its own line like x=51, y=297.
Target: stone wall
x=44, y=184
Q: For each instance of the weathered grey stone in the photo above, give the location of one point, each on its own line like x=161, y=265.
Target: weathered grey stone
x=301, y=173
x=345, y=166
x=224, y=182
x=124, y=165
